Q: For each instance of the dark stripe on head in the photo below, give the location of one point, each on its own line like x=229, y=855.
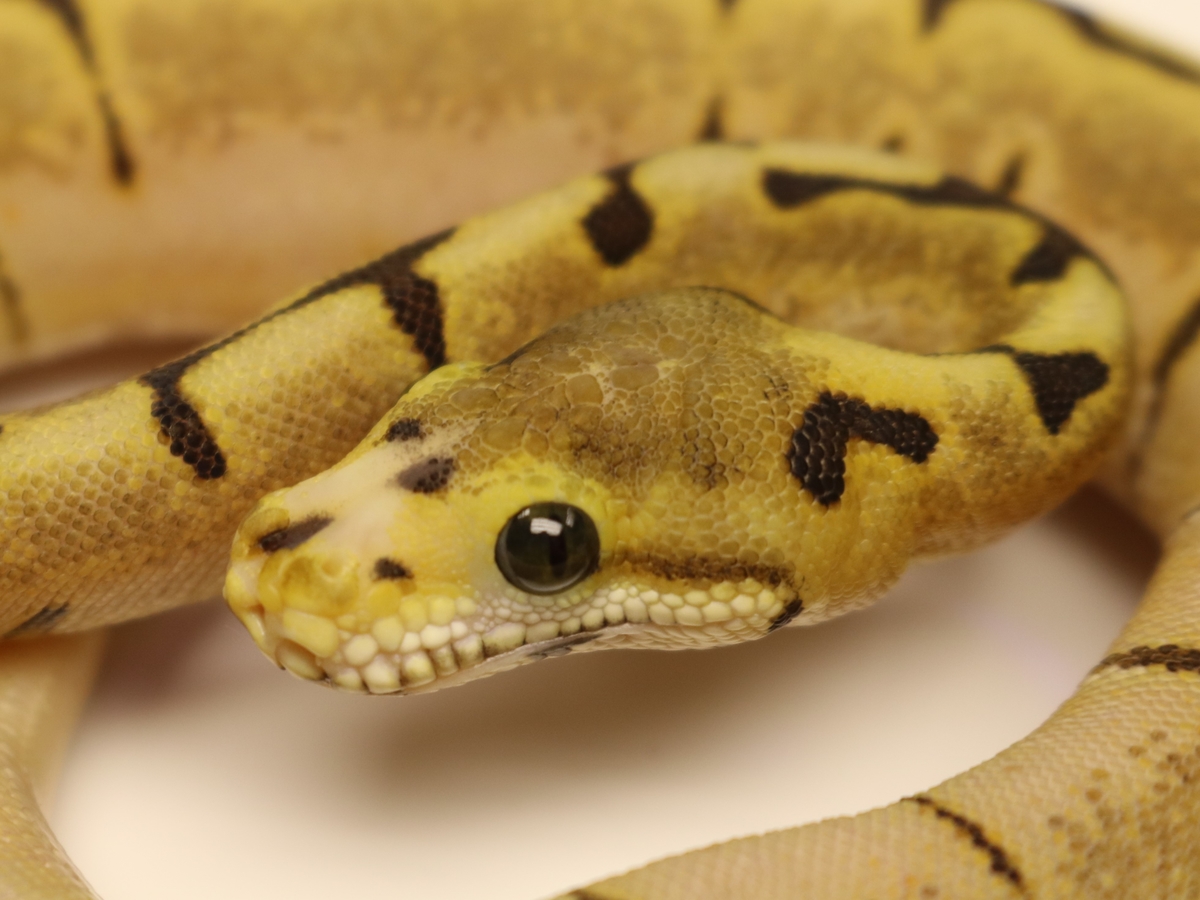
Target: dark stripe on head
x=40, y=622
x=404, y=430
x=415, y=308
x=790, y=612
x=294, y=535
x=428, y=476
x=1100, y=35
x=1171, y=656
x=1181, y=340
x=390, y=570
x=1058, y=380
x=1048, y=261
x=707, y=568
x=1001, y=864
x=713, y=128
x=620, y=224
x=816, y=454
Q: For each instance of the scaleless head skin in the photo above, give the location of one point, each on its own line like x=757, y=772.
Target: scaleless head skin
x=675, y=470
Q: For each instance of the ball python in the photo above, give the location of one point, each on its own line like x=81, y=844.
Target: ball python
x=119, y=119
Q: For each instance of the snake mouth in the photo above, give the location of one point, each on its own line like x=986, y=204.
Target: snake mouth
x=385, y=657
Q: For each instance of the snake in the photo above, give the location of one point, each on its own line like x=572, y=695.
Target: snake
x=707, y=318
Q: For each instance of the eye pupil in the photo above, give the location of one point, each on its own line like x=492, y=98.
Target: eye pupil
x=548, y=547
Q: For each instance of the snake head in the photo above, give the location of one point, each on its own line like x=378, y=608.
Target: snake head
x=570, y=496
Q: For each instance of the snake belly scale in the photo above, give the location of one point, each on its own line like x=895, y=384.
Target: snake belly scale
x=614, y=413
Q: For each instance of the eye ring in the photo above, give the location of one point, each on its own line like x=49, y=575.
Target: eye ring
x=547, y=548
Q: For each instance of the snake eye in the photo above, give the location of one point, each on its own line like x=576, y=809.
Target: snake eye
x=547, y=547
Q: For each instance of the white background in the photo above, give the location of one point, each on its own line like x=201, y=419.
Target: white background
x=201, y=771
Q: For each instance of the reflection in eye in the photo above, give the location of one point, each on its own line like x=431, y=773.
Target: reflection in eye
x=548, y=547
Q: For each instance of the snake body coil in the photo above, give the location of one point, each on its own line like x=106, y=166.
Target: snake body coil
x=613, y=413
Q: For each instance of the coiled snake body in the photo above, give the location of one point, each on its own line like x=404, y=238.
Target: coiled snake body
x=692, y=458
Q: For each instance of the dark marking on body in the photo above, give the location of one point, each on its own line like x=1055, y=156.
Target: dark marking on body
x=1002, y=864
x=40, y=622
x=816, y=454
x=1094, y=32
x=1098, y=34
x=10, y=303
x=931, y=13
x=428, y=476
x=415, y=308
x=727, y=5
x=120, y=158
x=619, y=225
x=1182, y=338
x=387, y=569
x=404, y=430
x=893, y=143
x=1058, y=380
x=294, y=535
x=790, y=612
x=713, y=127
x=1046, y=261
x=413, y=299
x=1049, y=259
x=1011, y=177
x=1171, y=656
x=180, y=425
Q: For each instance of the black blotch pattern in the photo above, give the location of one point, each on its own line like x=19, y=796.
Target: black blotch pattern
x=413, y=299
x=416, y=310
x=404, y=430
x=1181, y=340
x=40, y=622
x=790, y=612
x=817, y=452
x=620, y=224
x=893, y=143
x=713, y=128
x=294, y=535
x=1058, y=380
x=1012, y=176
x=787, y=190
x=1048, y=261
x=1173, y=657
x=1002, y=865
x=179, y=422
x=120, y=159
x=390, y=570
x=428, y=476
x=931, y=13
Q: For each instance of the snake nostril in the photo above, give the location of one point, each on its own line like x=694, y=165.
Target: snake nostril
x=390, y=570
